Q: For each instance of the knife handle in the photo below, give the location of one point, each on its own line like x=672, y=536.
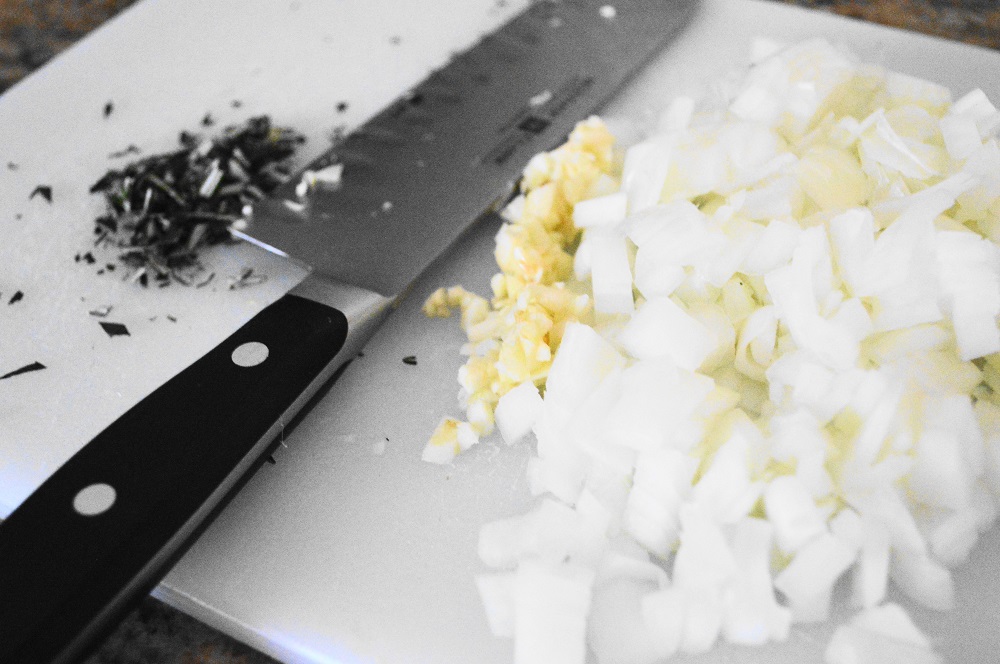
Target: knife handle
x=106, y=526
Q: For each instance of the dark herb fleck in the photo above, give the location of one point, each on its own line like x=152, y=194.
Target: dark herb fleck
x=236, y=103
x=162, y=210
x=115, y=329
x=42, y=190
x=395, y=40
x=89, y=257
x=131, y=149
x=341, y=107
x=411, y=360
x=11, y=166
x=246, y=278
x=208, y=120
x=34, y=366
x=16, y=297
x=172, y=319
x=109, y=108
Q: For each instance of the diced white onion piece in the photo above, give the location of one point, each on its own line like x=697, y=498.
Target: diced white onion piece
x=552, y=532
x=808, y=580
x=940, y=476
x=653, y=277
x=656, y=401
x=583, y=261
x=884, y=504
x=773, y=247
x=660, y=329
x=976, y=104
x=676, y=117
x=644, y=172
x=611, y=275
x=923, y=579
x=661, y=483
x=561, y=465
x=679, y=233
x=848, y=527
x=975, y=328
x=792, y=512
x=517, y=411
x=704, y=562
x=755, y=345
x=953, y=537
x=961, y=135
x=725, y=490
x=497, y=594
x=583, y=360
x=550, y=614
x=851, y=644
x=891, y=620
x=722, y=334
x=871, y=573
x=604, y=212
x=852, y=236
x=753, y=615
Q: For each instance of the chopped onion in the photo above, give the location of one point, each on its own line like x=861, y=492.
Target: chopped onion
x=757, y=351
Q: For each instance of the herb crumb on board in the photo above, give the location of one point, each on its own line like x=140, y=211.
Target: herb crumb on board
x=28, y=368
x=410, y=360
x=130, y=149
x=115, y=329
x=246, y=278
x=42, y=190
x=16, y=297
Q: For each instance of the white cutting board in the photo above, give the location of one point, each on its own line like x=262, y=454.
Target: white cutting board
x=349, y=549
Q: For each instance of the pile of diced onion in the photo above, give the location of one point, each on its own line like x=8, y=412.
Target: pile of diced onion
x=758, y=355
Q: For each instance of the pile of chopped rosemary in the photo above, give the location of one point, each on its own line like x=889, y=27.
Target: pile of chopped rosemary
x=164, y=209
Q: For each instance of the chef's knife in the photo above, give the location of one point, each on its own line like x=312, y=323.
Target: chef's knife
x=106, y=526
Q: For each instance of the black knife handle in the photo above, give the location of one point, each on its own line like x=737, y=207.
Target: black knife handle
x=67, y=577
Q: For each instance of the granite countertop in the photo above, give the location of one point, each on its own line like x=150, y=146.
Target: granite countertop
x=33, y=31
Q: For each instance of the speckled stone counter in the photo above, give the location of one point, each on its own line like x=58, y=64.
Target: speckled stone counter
x=33, y=31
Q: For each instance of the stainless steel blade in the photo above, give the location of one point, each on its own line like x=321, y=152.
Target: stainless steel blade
x=417, y=174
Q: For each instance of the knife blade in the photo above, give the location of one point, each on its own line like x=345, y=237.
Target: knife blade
x=106, y=526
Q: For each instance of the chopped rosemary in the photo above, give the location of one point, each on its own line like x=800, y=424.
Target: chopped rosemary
x=162, y=210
